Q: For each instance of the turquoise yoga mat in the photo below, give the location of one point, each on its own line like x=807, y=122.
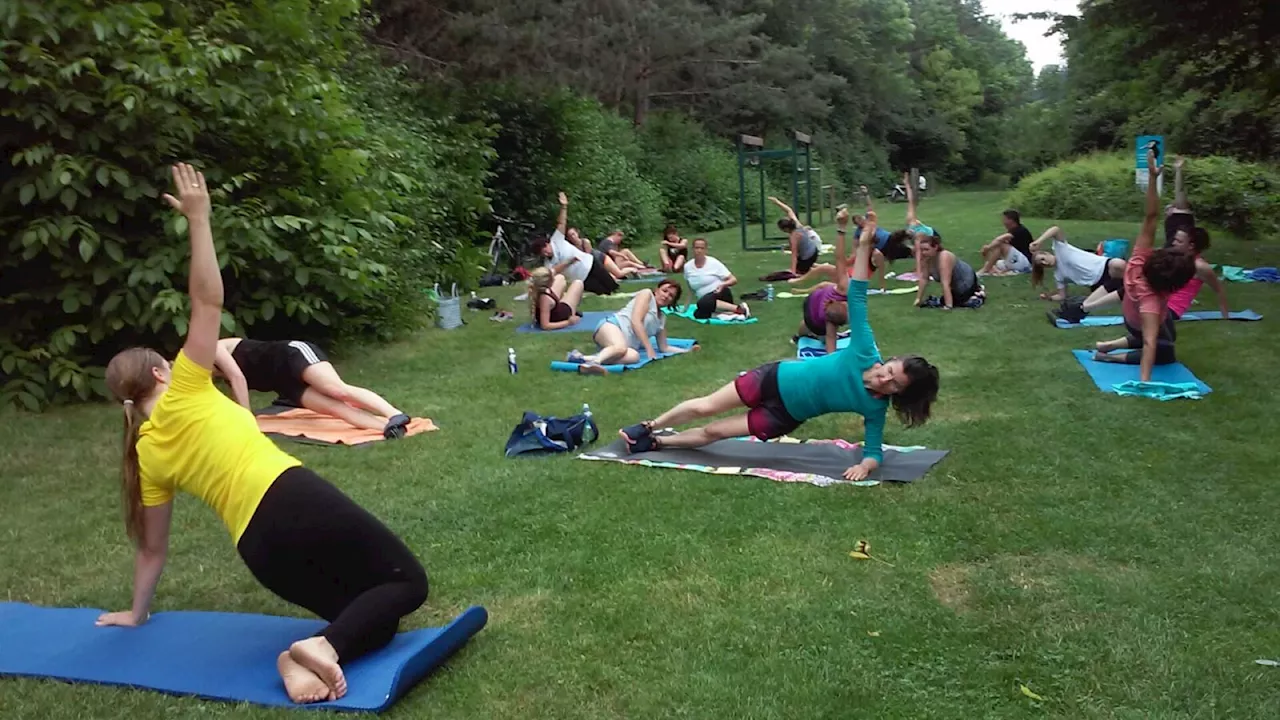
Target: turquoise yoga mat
x=1107, y=320
x=686, y=312
x=563, y=366
x=1125, y=379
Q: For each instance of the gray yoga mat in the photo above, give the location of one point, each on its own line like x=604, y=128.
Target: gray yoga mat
x=817, y=458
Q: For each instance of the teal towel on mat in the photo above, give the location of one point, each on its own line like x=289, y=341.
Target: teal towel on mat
x=686, y=312
x=1158, y=390
x=1234, y=273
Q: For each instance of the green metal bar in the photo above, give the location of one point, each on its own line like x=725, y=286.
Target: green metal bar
x=742, y=194
x=808, y=185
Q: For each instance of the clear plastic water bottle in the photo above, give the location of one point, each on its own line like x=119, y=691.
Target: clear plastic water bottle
x=768, y=291
x=511, y=361
x=589, y=432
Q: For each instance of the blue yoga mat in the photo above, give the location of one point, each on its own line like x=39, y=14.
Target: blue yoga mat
x=217, y=656
x=564, y=366
x=1105, y=320
x=1108, y=375
x=589, y=322
x=807, y=347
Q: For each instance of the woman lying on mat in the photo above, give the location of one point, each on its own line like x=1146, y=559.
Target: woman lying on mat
x=709, y=281
x=673, y=251
x=553, y=301
x=781, y=395
x=301, y=374
x=1151, y=276
x=624, y=336
x=1103, y=276
x=299, y=536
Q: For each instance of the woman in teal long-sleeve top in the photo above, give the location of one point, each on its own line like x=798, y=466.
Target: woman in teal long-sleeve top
x=779, y=396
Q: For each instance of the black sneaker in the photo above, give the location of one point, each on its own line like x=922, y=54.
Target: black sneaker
x=1072, y=312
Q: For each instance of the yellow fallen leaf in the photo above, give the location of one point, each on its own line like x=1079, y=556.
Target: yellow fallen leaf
x=863, y=547
x=1027, y=691
x=873, y=633
x=859, y=555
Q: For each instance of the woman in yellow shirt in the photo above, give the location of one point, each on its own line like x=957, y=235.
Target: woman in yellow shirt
x=299, y=536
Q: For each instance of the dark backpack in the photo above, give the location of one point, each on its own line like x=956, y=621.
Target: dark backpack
x=543, y=435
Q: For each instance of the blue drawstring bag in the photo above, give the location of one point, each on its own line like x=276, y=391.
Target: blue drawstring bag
x=1115, y=248
x=545, y=435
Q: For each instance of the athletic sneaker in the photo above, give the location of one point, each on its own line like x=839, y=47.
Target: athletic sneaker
x=397, y=427
x=575, y=356
x=743, y=310
x=638, y=438
x=1072, y=312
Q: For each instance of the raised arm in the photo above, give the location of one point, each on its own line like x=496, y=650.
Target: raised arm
x=1179, y=193
x=911, y=200
x=562, y=221
x=842, y=229
x=866, y=246
x=1053, y=232
x=226, y=364
x=204, y=283
x=1147, y=235
x=791, y=214
x=866, y=198
x=148, y=565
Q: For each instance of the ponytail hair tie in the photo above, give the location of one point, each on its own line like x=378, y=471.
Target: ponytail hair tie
x=127, y=403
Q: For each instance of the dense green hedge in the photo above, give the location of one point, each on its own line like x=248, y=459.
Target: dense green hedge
x=329, y=203
x=1239, y=197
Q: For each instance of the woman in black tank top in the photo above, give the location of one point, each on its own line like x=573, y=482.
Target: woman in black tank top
x=553, y=302
x=301, y=375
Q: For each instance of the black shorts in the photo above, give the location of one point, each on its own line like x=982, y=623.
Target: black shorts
x=673, y=253
x=277, y=366
x=598, y=280
x=768, y=417
x=897, y=251
x=706, y=306
x=1165, y=340
x=804, y=265
x=1109, y=283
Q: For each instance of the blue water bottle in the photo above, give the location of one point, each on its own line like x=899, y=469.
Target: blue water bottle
x=511, y=360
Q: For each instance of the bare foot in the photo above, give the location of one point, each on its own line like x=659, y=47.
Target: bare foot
x=318, y=656
x=592, y=369
x=302, y=685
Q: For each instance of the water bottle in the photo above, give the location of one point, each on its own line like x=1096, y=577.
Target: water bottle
x=589, y=432
x=768, y=291
x=511, y=360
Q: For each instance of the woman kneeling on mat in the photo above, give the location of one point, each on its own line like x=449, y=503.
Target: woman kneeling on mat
x=553, y=301
x=300, y=536
x=782, y=395
x=624, y=336
x=1104, y=276
x=709, y=281
x=960, y=286
x=1151, y=276
x=301, y=374
x=1195, y=241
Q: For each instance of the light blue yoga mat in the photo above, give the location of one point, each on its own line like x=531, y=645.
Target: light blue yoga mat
x=1106, y=320
x=589, y=322
x=807, y=347
x=564, y=366
x=686, y=312
x=217, y=656
x=1108, y=375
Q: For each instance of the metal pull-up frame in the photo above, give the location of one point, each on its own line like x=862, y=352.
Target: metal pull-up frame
x=751, y=151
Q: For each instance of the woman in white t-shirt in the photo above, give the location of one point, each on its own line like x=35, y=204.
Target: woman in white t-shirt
x=563, y=258
x=709, y=282
x=1104, y=276
x=629, y=334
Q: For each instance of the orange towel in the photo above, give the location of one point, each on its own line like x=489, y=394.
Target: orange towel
x=309, y=425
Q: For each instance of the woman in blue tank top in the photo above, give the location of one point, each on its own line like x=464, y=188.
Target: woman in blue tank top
x=780, y=396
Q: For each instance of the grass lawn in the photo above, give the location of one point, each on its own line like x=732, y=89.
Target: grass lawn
x=1113, y=554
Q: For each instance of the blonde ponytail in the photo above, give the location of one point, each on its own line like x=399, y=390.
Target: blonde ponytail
x=131, y=475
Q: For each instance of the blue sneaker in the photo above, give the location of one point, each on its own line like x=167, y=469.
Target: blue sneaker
x=575, y=356
x=638, y=437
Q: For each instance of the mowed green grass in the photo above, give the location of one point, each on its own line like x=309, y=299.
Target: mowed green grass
x=1121, y=557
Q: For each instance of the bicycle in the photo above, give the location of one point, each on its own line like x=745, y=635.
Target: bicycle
x=505, y=245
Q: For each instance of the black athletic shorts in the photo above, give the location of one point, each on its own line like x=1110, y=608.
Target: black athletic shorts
x=598, y=280
x=768, y=417
x=706, y=306
x=673, y=253
x=897, y=251
x=804, y=265
x=1110, y=284
x=276, y=365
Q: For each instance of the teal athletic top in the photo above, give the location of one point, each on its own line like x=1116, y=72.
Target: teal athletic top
x=833, y=382
x=920, y=227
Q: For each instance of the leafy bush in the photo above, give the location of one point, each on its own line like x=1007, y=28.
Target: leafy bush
x=696, y=174
x=312, y=215
x=1239, y=197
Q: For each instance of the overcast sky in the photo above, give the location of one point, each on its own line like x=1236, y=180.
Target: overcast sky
x=1041, y=50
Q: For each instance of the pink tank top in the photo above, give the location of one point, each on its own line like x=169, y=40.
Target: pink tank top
x=1181, y=298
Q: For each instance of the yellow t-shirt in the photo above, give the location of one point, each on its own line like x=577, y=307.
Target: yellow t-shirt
x=199, y=440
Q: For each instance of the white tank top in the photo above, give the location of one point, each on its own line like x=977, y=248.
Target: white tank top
x=653, y=319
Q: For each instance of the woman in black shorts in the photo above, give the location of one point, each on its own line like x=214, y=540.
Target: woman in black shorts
x=301, y=374
x=553, y=301
x=675, y=250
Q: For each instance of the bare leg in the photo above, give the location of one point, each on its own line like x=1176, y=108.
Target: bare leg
x=557, y=285
x=1116, y=268
x=613, y=347
x=721, y=429
x=1103, y=348
x=573, y=294
x=819, y=272
x=300, y=684
x=613, y=268
x=678, y=264
x=727, y=307
x=316, y=401
x=666, y=259
x=722, y=400
x=324, y=378
x=993, y=253
x=632, y=257
x=1100, y=298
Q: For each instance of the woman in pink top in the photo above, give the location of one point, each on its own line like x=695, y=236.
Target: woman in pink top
x=1195, y=242
x=1151, y=276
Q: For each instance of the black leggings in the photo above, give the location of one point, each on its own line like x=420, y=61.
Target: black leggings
x=313, y=546
x=706, y=306
x=1165, y=354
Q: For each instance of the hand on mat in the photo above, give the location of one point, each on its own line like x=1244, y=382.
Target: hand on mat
x=117, y=619
x=575, y=319
x=856, y=473
x=193, y=195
